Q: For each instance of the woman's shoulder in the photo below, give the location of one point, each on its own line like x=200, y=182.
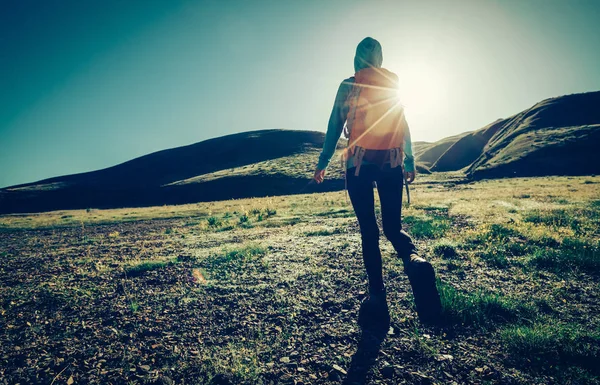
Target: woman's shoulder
x=346, y=85
x=349, y=81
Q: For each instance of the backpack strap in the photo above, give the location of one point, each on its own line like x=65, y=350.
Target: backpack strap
x=354, y=94
x=396, y=157
x=359, y=153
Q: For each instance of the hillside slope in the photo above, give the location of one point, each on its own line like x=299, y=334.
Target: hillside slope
x=428, y=154
x=558, y=136
x=257, y=163
x=466, y=149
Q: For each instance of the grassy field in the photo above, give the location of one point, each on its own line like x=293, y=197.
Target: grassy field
x=261, y=291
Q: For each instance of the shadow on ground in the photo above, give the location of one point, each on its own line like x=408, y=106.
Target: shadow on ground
x=373, y=333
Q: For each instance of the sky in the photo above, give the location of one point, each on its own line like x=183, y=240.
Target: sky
x=86, y=85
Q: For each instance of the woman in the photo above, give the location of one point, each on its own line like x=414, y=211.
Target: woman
x=367, y=164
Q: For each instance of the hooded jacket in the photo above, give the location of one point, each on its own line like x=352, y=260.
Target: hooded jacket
x=368, y=54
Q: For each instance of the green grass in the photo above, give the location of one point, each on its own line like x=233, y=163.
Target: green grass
x=552, y=344
x=214, y=221
x=573, y=254
x=481, y=308
x=581, y=219
x=555, y=218
x=445, y=249
x=233, y=262
x=499, y=244
x=144, y=267
x=494, y=256
x=427, y=226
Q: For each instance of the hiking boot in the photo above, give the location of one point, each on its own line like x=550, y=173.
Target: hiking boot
x=413, y=260
x=374, y=312
x=422, y=280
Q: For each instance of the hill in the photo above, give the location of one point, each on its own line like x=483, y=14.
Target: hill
x=558, y=136
x=428, y=153
x=257, y=163
x=249, y=164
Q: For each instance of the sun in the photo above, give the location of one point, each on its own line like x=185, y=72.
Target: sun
x=423, y=92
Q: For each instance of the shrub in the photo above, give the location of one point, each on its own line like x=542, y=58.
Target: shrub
x=214, y=221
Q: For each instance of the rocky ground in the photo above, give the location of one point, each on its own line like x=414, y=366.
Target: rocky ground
x=269, y=293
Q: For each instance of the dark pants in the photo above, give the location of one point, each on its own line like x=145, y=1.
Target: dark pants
x=389, y=186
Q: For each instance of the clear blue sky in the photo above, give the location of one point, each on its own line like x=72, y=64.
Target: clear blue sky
x=89, y=84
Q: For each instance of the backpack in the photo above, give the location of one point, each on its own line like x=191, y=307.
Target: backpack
x=375, y=124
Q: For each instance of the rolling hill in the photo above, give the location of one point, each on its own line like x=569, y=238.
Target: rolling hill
x=257, y=163
x=557, y=136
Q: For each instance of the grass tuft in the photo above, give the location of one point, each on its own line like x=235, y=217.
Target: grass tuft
x=427, y=227
x=480, y=308
x=322, y=233
x=233, y=262
x=445, y=250
x=551, y=344
x=572, y=255
x=554, y=218
x=142, y=268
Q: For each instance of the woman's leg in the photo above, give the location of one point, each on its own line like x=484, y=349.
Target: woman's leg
x=389, y=187
x=360, y=189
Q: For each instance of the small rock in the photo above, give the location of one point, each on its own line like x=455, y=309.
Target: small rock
x=444, y=357
x=285, y=360
x=339, y=369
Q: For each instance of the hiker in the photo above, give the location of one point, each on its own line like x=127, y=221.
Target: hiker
x=379, y=138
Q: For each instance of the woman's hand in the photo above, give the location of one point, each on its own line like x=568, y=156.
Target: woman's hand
x=319, y=175
x=409, y=176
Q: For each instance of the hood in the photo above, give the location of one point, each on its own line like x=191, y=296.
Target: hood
x=368, y=54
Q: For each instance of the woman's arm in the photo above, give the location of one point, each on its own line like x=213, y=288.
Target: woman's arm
x=336, y=123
